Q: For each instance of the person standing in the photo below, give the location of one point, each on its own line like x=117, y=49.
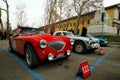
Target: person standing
x=18, y=30
x=84, y=31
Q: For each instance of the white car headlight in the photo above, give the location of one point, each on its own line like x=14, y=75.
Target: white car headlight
x=90, y=41
x=43, y=44
x=68, y=52
x=71, y=41
x=50, y=57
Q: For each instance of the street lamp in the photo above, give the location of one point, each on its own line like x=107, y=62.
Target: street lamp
x=103, y=14
x=102, y=19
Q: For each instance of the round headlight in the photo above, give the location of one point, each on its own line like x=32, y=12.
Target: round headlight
x=68, y=52
x=43, y=44
x=90, y=41
x=71, y=41
x=50, y=57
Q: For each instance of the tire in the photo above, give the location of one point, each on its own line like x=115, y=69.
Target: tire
x=31, y=56
x=79, y=47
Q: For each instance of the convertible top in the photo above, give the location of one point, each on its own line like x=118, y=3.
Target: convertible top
x=27, y=27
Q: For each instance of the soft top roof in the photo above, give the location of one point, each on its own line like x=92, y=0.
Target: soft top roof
x=28, y=28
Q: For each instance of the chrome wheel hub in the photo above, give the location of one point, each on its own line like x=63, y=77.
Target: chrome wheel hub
x=79, y=48
x=28, y=56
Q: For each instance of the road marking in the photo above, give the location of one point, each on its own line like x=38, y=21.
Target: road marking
x=96, y=63
x=107, y=62
x=32, y=72
x=111, y=63
x=100, y=60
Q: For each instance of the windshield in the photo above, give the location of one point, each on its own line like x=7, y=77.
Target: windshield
x=32, y=31
x=68, y=33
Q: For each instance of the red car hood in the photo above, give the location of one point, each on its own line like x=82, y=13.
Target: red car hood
x=48, y=37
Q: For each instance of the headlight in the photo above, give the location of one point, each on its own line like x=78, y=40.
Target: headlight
x=90, y=41
x=50, y=57
x=68, y=52
x=43, y=44
x=71, y=41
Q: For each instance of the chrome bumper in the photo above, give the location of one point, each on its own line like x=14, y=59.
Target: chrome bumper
x=96, y=45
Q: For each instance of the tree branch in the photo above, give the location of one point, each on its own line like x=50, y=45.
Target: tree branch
x=3, y=9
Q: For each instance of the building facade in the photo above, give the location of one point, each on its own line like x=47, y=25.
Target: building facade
x=111, y=20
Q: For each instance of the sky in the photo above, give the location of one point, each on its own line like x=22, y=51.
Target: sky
x=34, y=10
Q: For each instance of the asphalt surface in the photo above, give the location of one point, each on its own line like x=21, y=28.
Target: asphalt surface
x=102, y=67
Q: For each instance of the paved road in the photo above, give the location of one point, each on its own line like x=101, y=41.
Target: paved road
x=106, y=67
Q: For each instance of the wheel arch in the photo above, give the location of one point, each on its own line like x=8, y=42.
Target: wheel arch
x=79, y=41
x=28, y=43
x=35, y=58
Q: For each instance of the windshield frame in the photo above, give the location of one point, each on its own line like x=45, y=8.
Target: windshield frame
x=32, y=31
x=67, y=33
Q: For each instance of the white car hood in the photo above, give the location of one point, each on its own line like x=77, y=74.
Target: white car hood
x=80, y=37
x=84, y=38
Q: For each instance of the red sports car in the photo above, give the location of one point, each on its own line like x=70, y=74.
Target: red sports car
x=38, y=46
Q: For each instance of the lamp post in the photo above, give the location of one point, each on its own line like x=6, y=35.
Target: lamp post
x=102, y=19
x=103, y=14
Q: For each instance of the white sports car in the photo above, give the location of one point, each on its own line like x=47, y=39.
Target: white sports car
x=81, y=44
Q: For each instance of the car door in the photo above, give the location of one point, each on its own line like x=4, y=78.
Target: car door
x=20, y=44
x=13, y=40
x=17, y=43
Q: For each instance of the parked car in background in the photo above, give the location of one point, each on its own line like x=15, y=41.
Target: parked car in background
x=38, y=46
x=102, y=41
x=81, y=44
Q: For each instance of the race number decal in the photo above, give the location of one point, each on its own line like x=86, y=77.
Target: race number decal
x=85, y=69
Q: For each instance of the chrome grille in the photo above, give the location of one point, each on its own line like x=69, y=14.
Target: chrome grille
x=96, y=41
x=57, y=45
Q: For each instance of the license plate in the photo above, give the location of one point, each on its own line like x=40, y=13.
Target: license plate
x=60, y=55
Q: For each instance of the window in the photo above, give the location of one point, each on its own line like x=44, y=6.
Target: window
x=58, y=34
x=88, y=21
x=70, y=24
x=75, y=24
x=119, y=15
x=83, y=22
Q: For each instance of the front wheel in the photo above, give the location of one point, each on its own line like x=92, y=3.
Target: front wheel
x=31, y=56
x=79, y=47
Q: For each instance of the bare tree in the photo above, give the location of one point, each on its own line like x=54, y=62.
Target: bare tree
x=7, y=12
x=61, y=5
x=50, y=11
x=20, y=15
x=1, y=22
x=55, y=11
x=82, y=7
